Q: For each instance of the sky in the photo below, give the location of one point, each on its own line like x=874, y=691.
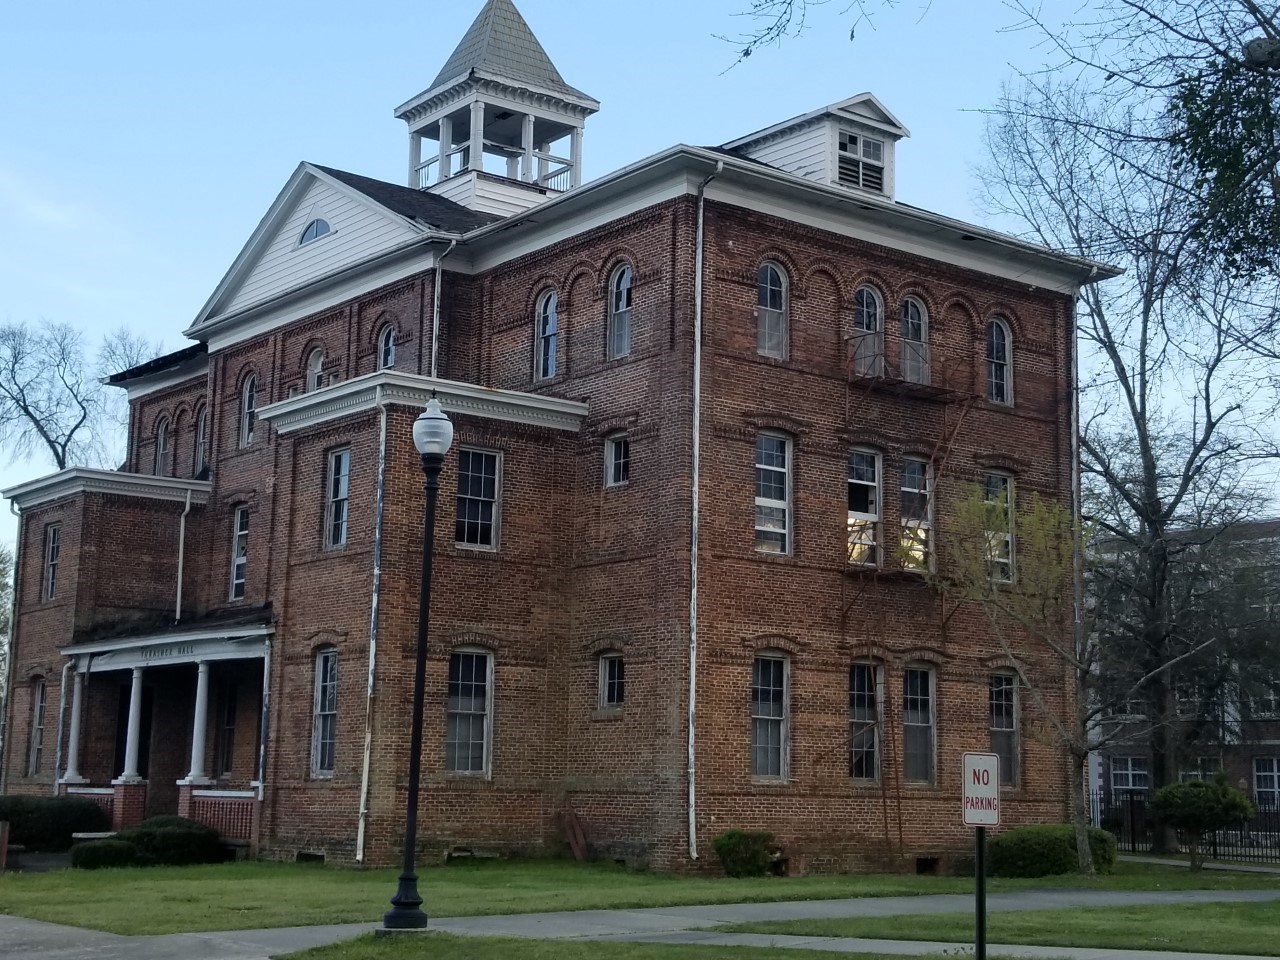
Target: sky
x=141, y=142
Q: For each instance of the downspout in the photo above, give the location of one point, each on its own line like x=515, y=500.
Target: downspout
x=11, y=645
x=262, y=723
x=62, y=719
x=373, y=623
x=693, y=536
x=1077, y=522
x=182, y=544
x=435, y=307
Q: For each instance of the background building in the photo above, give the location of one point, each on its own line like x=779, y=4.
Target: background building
x=713, y=412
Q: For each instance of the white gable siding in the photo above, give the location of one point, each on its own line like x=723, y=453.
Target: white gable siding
x=358, y=232
x=805, y=152
x=499, y=197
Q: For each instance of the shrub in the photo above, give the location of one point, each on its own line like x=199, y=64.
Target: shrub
x=173, y=820
x=1200, y=807
x=1045, y=850
x=97, y=854
x=745, y=853
x=47, y=823
x=174, y=845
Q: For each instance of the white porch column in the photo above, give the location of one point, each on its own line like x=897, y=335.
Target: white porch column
x=477, y=136
x=526, y=141
x=445, y=167
x=415, y=158
x=575, y=157
x=130, y=773
x=72, y=772
x=199, y=725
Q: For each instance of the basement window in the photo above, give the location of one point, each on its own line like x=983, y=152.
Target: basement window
x=860, y=162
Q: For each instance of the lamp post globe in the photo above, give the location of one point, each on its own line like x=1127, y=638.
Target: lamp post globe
x=432, y=436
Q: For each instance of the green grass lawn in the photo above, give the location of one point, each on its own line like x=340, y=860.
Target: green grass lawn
x=245, y=895
x=1252, y=928
x=442, y=946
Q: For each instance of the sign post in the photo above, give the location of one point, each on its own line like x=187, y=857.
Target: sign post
x=981, y=810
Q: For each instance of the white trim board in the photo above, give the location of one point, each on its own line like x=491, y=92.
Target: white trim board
x=76, y=480
x=364, y=394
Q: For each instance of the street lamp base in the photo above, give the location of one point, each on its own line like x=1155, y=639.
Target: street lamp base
x=406, y=907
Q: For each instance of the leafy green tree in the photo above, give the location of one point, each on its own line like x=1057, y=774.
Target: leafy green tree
x=1200, y=807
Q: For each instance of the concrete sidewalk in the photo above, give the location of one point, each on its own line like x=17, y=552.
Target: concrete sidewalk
x=688, y=925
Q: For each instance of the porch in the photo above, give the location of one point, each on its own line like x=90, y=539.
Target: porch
x=171, y=723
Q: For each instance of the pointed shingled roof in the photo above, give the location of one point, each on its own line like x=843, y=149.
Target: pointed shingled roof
x=500, y=42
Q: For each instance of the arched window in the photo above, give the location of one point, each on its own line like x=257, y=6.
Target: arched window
x=35, y=735
x=915, y=342
x=248, y=409
x=548, y=323
x=868, y=333
x=315, y=370
x=313, y=231
x=387, y=348
x=324, y=713
x=161, y=466
x=770, y=715
x=201, y=455
x=619, y=335
x=999, y=362
x=771, y=311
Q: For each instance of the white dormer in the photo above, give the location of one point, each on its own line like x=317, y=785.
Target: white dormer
x=848, y=144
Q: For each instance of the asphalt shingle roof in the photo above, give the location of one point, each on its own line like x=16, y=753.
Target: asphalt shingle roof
x=427, y=208
x=500, y=42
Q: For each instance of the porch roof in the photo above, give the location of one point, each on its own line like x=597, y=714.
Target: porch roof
x=180, y=644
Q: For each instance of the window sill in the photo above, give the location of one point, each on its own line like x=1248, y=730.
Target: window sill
x=771, y=783
x=774, y=557
x=476, y=549
x=607, y=713
x=618, y=486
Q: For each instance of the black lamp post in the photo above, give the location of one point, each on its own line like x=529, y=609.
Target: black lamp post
x=432, y=435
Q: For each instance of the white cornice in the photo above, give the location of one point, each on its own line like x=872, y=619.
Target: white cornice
x=143, y=386
x=78, y=480
x=363, y=394
x=229, y=632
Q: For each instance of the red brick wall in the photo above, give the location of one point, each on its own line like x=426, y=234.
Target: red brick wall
x=583, y=569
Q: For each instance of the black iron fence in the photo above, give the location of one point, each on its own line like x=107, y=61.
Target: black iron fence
x=1128, y=815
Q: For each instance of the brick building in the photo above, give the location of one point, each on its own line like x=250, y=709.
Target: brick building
x=712, y=412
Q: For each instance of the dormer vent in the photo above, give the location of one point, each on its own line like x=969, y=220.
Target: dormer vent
x=860, y=162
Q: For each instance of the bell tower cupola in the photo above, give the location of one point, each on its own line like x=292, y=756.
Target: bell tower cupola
x=498, y=130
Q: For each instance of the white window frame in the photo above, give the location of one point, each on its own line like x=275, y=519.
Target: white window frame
x=621, y=298
x=931, y=686
x=248, y=409
x=617, y=460
x=908, y=540
x=52, y=557
x=239, y=552
x=768, y=316
x=200, y=456
x=324, y=713
x=1003, y=569
x=487, y=757
x=316, y=222
x=1005, y=364
x=781, y=722
x=868, y=332
x=160, y=468
x=1266, y=782
x=608, y=685
x=338, y=497
x=866, y=724
x=1206, y=768
x=496, y=524
x=768, y=503
x=35, y=739
x=315, y=370
x=1266, y=705
x=857, y=541
x=546, y=340
x=915, y=351
x=1011, y=772
x=224, y=739
x=1124, y=770
x=862, y=152
x=387, y=348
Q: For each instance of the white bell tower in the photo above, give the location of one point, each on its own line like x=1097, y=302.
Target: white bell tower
x=502, y=129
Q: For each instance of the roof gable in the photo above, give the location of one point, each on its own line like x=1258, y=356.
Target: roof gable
x=366, y=218
x=868, y=108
